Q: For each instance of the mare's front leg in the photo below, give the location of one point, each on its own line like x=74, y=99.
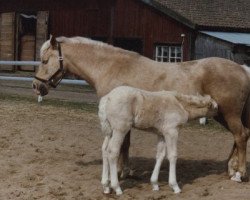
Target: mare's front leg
x=123, y=162
x=171, y=137
x=105, y=166
x=114, y=148
x=160, y=155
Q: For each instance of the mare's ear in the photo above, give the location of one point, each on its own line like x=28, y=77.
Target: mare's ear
x=53, y=41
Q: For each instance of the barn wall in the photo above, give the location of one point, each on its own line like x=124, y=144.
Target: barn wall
x=135, y=19
x=90, y=22
x=131, y=19
x=41, y=30
x=206, y=46
x=7, y=34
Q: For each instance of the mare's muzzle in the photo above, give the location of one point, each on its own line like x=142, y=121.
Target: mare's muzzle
x=43, y=89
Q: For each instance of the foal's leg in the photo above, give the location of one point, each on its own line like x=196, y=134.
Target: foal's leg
x=171, y=137
x=105, y=166
x=113, y=154
x=123, y=162
x=160, y=155
x=237, y=161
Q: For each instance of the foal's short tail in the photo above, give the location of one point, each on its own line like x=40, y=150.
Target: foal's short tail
x=105, y=125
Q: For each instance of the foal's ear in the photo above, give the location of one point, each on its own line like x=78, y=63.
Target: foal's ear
x=53, y=41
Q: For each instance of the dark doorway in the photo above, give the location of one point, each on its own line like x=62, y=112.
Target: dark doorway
x=130, y=44
x=26, y=38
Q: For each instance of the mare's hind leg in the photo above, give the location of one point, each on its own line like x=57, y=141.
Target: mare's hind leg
x=237, y=159
x=123, y=162
x=233, y=161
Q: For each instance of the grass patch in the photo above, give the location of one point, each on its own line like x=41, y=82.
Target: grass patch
x=88, y=107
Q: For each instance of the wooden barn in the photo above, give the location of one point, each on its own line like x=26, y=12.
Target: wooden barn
x=163, y=30
x=138, y=25
x=222, y=27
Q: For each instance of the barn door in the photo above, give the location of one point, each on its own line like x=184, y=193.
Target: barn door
x=7, y=35
x=26, y=37
x=41, y=30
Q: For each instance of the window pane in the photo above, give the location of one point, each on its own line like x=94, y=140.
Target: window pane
x=159, y=51
x=165, y=51
x=165, y=59
x=178, y=52
x=158, y=59
x=172, y=59
x=172, y=52
x=168, y=53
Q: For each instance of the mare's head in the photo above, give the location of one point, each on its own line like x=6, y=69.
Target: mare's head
x=51, y=69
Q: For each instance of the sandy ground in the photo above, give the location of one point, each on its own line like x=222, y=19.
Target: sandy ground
x=54, y=152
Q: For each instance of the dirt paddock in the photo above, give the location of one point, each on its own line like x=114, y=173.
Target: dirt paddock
x=53, y=151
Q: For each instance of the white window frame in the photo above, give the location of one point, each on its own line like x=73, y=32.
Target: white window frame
x=169, y=53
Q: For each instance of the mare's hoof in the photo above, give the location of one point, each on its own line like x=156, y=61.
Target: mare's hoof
x=125, y=173
x=236, y=177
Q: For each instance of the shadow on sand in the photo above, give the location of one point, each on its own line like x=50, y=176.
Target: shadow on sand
x=187, y=170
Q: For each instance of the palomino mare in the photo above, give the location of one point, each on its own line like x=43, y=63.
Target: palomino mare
x=106, y=67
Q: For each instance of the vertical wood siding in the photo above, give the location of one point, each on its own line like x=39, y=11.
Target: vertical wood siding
x=7, y=34
x=136, y=20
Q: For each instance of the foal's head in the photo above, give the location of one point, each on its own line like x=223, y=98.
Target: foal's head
x=198, y=106
x=51, y=69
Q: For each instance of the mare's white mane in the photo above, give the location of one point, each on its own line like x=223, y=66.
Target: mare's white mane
x=76, y=40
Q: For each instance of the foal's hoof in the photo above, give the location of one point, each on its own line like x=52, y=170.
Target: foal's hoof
x=177, y=190
x=106, y=190
x=118, y=192
x=155, y=187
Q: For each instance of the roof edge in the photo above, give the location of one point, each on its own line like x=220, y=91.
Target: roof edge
x=170, y=13
x=221, y=39
x=222, y=29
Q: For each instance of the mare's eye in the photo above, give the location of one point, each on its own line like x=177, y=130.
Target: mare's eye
x=45, y=62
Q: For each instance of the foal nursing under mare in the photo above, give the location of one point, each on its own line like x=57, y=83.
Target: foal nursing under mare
x=160, y=112
x=106, y=67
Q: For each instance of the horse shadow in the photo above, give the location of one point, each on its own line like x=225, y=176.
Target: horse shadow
x=187, y=170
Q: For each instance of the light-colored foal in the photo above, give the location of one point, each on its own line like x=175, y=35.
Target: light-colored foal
x=163, y=112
